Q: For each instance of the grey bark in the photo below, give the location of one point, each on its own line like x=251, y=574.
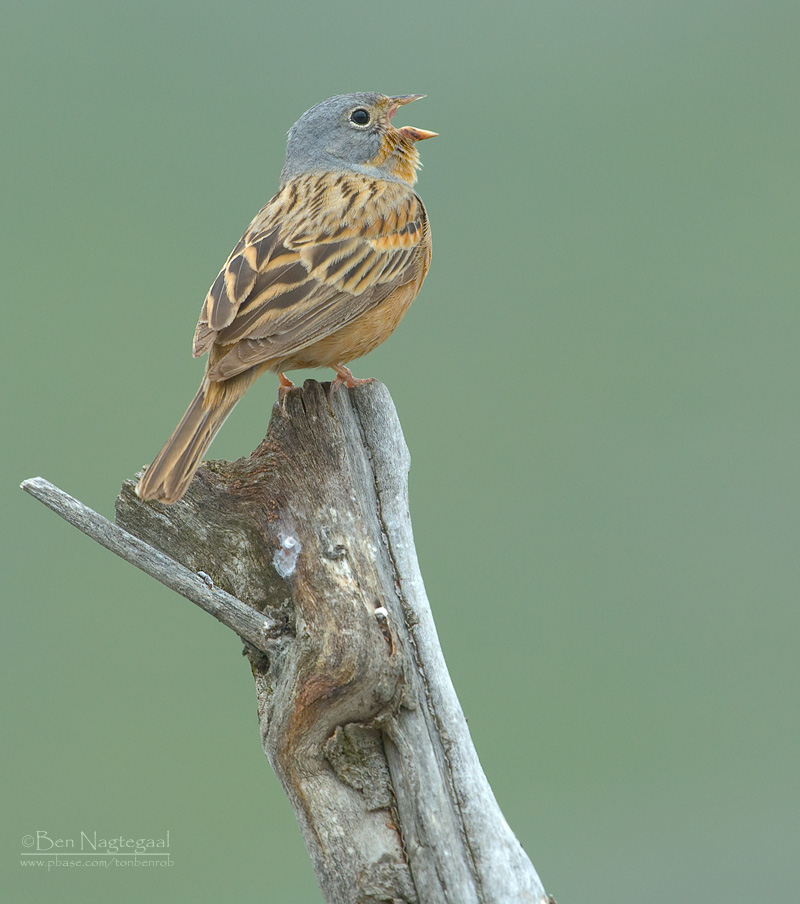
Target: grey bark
x=358, y=715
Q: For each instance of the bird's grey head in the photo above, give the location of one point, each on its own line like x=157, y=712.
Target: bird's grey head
x=353, y=132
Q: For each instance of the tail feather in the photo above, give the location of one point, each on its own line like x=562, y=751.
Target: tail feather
x=168, y=477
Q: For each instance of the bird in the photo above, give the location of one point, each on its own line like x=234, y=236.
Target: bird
x=323, y=274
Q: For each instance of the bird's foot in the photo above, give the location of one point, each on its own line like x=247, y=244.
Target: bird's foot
x=283, y=391
x=345, y=378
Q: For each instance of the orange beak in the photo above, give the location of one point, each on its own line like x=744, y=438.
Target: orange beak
x=409, y=131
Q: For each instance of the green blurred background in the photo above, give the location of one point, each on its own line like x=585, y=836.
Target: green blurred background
x=598, y=385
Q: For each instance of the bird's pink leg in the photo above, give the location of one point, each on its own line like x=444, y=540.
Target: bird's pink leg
x=345, y=378
x=283, y=390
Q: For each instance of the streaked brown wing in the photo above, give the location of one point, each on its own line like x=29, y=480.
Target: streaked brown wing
x=323, y=251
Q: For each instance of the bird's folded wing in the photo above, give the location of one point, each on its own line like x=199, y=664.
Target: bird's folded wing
x=323, y=251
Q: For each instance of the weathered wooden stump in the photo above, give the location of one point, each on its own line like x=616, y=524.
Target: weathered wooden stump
x=358, y=715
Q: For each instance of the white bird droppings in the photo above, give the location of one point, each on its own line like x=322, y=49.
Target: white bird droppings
x=285, y=558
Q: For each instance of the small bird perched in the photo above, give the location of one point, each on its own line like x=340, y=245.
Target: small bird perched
x=323, y=274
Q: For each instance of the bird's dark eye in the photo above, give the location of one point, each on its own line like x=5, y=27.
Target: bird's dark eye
x=360, y=116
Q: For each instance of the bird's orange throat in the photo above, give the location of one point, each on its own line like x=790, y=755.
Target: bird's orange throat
x=399, y=155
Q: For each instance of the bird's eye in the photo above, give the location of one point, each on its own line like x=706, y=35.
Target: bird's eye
x=360, y=116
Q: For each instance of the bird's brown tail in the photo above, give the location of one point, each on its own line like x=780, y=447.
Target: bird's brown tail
x=171, y=473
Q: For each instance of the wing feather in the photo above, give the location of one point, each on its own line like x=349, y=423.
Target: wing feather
x=323, y=251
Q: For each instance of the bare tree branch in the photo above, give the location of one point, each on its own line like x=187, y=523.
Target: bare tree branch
x=250, y=625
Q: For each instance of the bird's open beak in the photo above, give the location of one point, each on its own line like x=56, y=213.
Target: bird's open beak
x=409, y=131
x=404, y=99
